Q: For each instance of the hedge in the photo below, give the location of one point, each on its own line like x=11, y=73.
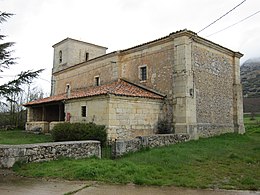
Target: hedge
x=79, y=131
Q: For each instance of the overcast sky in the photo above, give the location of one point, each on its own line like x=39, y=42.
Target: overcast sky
x=119, y=24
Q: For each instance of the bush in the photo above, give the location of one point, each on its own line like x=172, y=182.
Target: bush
x=164, y=127
x=79, y=131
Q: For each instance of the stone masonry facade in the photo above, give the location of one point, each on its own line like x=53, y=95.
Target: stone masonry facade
x=214, y=91
x=192, y=83
x=124, y=117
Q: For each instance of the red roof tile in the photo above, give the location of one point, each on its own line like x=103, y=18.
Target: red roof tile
x=119, y=88
x=54, y=98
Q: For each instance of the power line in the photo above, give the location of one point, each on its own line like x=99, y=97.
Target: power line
x=222, y=16
x=234, y=24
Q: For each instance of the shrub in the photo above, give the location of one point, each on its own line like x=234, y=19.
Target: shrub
x=164, y=127
x=79, y=131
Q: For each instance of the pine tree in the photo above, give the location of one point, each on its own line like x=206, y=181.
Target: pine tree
x=6, y=60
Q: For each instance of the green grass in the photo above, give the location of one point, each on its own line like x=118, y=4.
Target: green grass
x=229, y=161
x=248, y=120
x=16, y=137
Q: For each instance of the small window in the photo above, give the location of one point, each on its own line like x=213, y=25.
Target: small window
x=60, y=56
x=86, y=56
x=84, y=111
x=67, y=91
x=143, y=73
x=67, y=88
x=97, y=81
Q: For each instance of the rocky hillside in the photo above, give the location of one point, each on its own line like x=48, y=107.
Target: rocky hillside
x=250, y=78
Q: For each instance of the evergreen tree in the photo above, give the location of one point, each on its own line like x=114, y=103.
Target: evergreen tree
x=6, y=60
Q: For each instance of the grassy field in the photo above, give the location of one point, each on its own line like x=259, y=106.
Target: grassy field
x=249, y=120
x=229, y=161
x=15, y=137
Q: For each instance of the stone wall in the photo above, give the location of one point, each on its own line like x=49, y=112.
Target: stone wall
x=74, y=52
x=83, y=75
x=41, y=126
x=130, y=117
x=124, y=117
x=121, y=147
x=209, y=130
x=9, y=154
x=159, y=60
x=96, y=110
x=213, y=79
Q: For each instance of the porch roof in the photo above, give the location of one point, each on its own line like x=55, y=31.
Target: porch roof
x=118, y=88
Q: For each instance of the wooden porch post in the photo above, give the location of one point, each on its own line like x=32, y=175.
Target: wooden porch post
x=59, y=111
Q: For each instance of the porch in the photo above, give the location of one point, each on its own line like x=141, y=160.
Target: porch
x=43, y=117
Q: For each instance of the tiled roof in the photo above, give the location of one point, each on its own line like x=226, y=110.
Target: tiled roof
x=55, y=98
x=118, y=88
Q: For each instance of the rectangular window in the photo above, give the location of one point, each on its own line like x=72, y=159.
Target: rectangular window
x=143, y=73
x=67, y=90
x=97, y=81
x=84, y=111
x=87, y=56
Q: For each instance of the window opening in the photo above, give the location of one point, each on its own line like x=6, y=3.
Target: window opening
x=143, y=73
x=97, y=81
x=60, y=56
x=68, y=90
x=87, y=56
x=84, y=111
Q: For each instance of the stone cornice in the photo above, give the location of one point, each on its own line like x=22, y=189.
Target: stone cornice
x=213, y=45
x=194, y=37
x=75, y=40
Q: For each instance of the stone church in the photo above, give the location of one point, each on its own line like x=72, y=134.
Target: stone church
x=182, y=79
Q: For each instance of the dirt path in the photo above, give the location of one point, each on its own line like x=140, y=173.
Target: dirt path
x=15, y=185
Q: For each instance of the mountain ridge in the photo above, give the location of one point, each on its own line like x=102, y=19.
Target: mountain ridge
x=250, y=78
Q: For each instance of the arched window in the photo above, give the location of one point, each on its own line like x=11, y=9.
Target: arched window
x=60, y=56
